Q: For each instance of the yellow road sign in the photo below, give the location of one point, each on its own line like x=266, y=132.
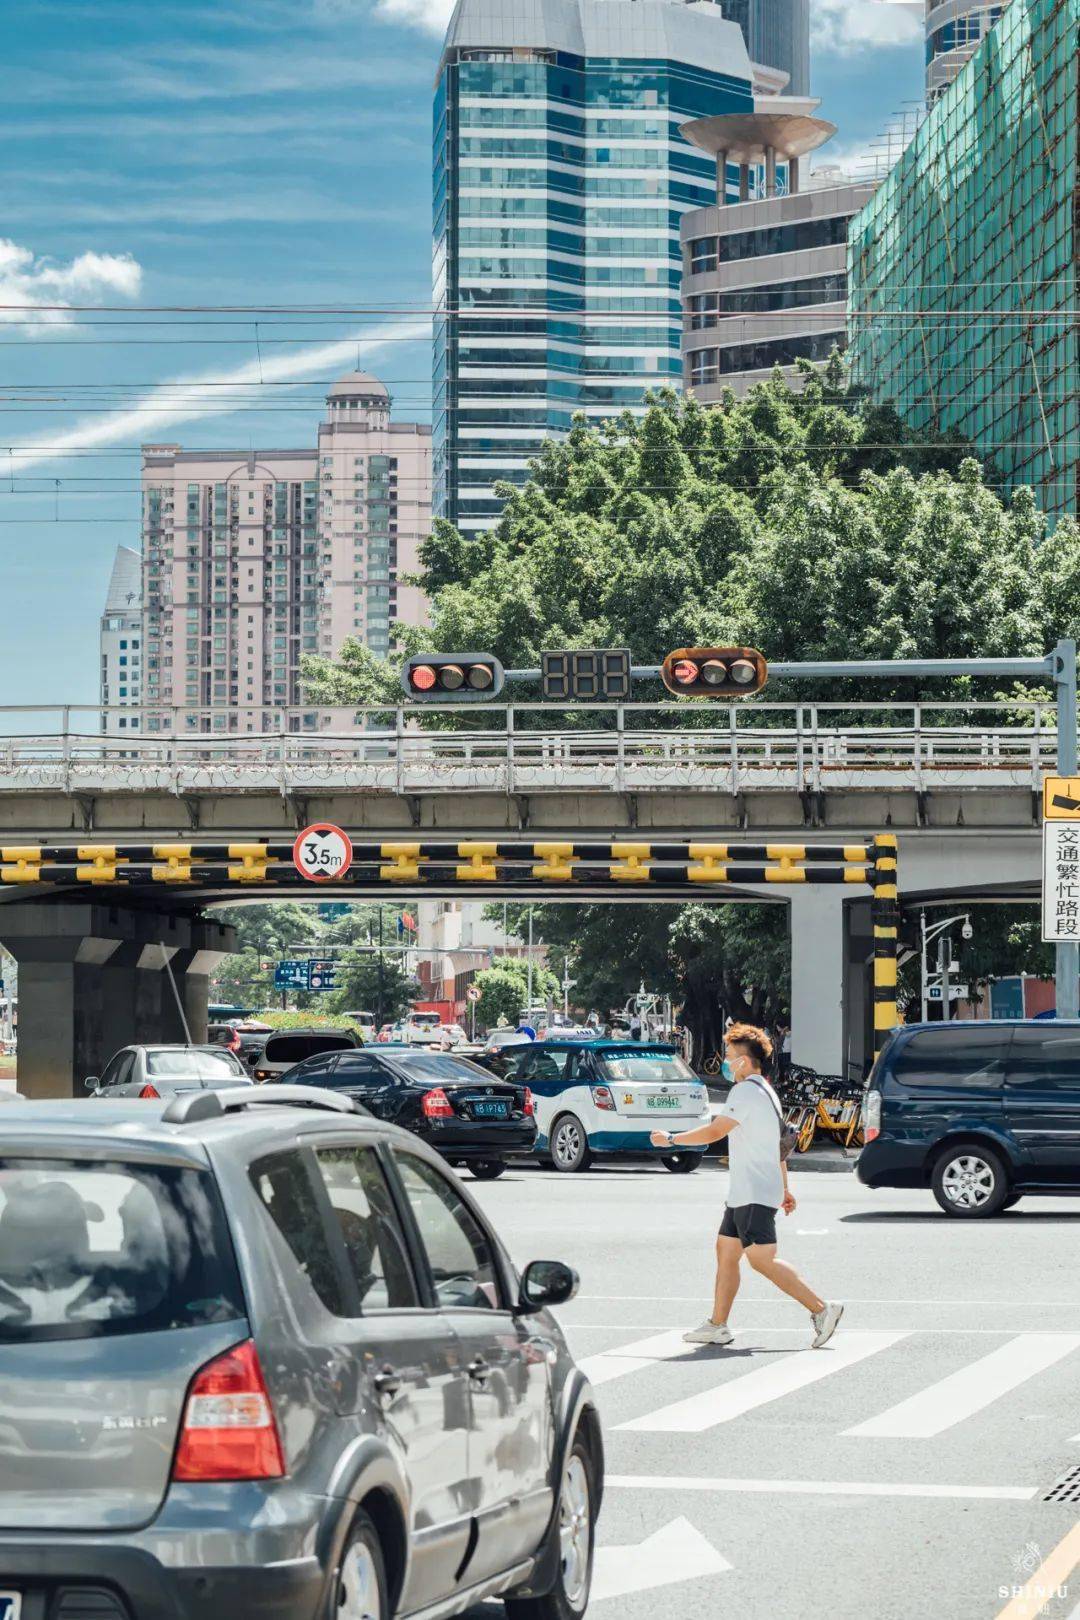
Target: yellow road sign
x=1061, y=798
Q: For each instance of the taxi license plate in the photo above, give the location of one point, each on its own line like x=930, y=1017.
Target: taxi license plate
x=652, y=1102
x=10, y=1605
x=481, y=1110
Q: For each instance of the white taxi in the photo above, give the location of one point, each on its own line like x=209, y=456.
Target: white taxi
x=605, y=1098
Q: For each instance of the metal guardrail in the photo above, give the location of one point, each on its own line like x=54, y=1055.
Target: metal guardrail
x=627, y=748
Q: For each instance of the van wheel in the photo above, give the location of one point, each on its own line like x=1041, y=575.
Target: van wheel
x=970, y=1181
x=358, y=1590
x=681, y=1164
x=569, y=1598
x=487, y=1169
x=569, y=1144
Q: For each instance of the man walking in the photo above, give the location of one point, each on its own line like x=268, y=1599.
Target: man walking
x=757, y=1188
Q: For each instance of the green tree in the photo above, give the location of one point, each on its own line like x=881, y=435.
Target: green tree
x=362, y=986
x=504, y=989
x=813, y=525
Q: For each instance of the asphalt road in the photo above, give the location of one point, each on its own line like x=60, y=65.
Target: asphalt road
x=898, y=1473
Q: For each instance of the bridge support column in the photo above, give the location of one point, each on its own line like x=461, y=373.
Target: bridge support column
x=819, y=954
x=92, y=979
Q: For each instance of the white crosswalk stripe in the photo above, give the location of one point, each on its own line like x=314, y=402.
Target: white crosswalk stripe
x=969, y=1389
x=609, y=1364
x=737, y=1396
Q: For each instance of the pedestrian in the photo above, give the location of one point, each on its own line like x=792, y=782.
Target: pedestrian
x=757, y=1188
x=635, y=1025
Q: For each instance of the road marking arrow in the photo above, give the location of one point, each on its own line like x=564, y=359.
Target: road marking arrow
x=678, y=1552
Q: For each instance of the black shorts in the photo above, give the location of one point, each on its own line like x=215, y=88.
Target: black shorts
x=750, y=1223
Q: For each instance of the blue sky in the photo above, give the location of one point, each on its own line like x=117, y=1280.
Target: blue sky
x=176, y=152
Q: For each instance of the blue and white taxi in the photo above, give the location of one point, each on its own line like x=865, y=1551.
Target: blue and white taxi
x=605, y=1097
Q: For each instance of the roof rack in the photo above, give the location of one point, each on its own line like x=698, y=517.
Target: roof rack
x=195, y=1105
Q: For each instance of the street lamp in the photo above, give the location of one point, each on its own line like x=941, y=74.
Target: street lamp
x=927, y=936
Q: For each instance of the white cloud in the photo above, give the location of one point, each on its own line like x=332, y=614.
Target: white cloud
x=430, y=15
x=188, y=399
x=846, y=27
x=88, y=279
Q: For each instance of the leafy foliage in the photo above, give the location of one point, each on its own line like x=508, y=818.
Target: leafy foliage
x=504, y=989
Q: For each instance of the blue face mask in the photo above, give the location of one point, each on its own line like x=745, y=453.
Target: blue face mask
x=726, y=1071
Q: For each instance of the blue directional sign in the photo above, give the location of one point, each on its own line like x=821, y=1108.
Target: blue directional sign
x=292, y=975
x=331, y=910
x=320, y=975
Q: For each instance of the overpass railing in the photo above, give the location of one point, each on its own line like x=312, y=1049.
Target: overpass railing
x=623, y=748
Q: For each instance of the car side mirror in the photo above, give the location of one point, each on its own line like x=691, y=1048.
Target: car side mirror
x=92, y=1082
x=546, y=1283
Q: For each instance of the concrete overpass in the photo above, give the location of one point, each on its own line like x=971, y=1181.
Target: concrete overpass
x=960, y=786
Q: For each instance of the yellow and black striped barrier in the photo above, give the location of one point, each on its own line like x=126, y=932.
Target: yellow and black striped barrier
x=618, y=864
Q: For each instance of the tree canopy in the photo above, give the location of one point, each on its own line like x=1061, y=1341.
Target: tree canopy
x=811, y=525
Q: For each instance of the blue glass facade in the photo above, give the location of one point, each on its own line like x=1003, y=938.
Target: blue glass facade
x=559, y=182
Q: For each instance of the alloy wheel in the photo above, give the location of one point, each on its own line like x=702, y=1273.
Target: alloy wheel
x=358, y=1586
x=968, y=1181
x=567, y=1144
x=575, y=1533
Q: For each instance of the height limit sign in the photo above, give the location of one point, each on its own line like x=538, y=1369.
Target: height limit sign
x=322, y=853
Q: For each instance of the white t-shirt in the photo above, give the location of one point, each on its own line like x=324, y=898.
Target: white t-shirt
x=754, y=1145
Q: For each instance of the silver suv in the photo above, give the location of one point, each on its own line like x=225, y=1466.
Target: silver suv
x=263, y=1356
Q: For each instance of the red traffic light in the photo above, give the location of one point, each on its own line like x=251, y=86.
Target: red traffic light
x=452, y=677
x=717, y=672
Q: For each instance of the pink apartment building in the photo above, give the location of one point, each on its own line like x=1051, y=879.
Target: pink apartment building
x=252, y=559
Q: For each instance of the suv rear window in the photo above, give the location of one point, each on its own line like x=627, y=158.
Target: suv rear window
x=91, y=1249
x=956, y=1057
x=295, y=1048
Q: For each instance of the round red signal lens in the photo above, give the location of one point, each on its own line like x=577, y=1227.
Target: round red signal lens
x=451, y=677
x=480, y=677
x=684, y=672
x=743, y=672
x=422, y=677
x=713, y=672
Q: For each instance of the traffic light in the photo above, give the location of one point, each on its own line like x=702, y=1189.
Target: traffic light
x=452, y=677
x=714, y=672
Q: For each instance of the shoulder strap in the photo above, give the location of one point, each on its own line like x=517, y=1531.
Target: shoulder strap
x=763, y=1088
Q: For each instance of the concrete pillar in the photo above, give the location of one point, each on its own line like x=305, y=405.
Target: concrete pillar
x=818, y=962
x=721, y=178
x=792, y=176
x=744, y=182
x=770, y=171
x=92, y=979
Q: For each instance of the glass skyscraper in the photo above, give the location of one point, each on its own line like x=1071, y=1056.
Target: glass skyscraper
x=777, y=33
x=962, y=270
x=560, y=178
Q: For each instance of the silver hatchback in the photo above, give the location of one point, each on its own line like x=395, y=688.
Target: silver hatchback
x=264, y=1356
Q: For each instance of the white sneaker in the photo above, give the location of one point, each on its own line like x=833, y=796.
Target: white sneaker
x=709, y=1333
x=825, y=1323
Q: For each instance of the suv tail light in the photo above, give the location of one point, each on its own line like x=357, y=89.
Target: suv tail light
x=149, y=1091
x=529, y=1105
x=601, y=1096
x=436, y=1104
x=871, y=1116
x=229, y=1431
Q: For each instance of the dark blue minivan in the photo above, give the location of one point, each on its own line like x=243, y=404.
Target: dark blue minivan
x=980, y=1112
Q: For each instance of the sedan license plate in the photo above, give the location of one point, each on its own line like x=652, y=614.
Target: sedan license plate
x=10, y=1604
x=481, y=1110
x=662, y=1102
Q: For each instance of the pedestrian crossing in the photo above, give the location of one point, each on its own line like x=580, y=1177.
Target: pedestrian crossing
x=964, y=1389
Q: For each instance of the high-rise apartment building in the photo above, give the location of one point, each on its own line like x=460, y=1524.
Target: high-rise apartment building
x=121, y=651
x=962, y=269
x=765, y=278
x=560, y=178
x=252, y=559
x=954, y=31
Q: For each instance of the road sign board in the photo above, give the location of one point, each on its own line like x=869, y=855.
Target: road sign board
x=473, y=993
x=292, y=974
x=331, y=910
x=933, y=992
x=321, y=975
x=1061, y=798
x=1061, y=882
x=322, y=852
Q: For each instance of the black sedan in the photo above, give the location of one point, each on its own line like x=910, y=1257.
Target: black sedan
x=462, y=1111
